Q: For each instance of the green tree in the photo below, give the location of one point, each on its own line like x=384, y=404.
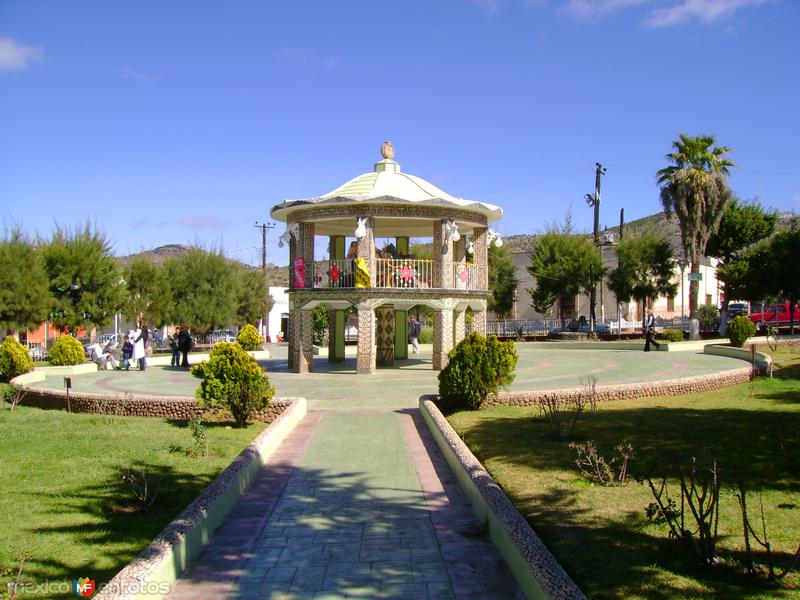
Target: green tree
x=204, y=288
x=564, y=265
x=253, y=300
x=644, y=271
x=743, y=224
x=502, y=281
x=695, y=188
x=783, y=274
x=84, y=278
x=149, y=293
x=25, y=298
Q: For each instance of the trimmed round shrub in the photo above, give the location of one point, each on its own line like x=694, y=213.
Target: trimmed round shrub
x=739, y=329
x=66, y=350
x=249, y=339
x=14, y=359
x=478, y=368
x=232, y=380
x=708, y=314
x=671, y=335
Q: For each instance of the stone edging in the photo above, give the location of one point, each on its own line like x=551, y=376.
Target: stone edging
x=628, y=391
x=157, y=567
x=536, y=570
x=180, y=408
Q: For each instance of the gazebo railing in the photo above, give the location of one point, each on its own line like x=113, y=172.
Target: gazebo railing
x=395, y=273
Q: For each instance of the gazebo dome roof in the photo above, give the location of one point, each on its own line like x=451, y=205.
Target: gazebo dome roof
x=387, y=184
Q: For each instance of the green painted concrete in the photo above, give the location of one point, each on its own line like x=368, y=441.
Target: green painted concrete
x=401, y=334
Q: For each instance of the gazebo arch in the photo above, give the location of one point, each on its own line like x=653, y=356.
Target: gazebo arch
x=386, y=203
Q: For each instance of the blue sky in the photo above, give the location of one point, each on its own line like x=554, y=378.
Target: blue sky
x=184, y=122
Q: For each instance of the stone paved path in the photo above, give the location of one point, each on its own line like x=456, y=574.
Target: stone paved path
x=352, y=505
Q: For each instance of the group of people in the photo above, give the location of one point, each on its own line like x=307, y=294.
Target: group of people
x=135, y=346
x=180, y=342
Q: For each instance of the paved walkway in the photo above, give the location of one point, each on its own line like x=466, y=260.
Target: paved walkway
x=352, y=505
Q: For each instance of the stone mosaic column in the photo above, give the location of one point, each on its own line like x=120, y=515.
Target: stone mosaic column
x=480, y=257
x=479, y=321
x=442, y=257
x=442, y=337
x=460, y=317
x=293, y=253
x=366, y=250
x=365, y=360
x=307, y=251
x=301, y=332
x=386, y=329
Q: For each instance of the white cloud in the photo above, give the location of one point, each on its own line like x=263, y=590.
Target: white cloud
x=17, y=57
x=140, y=76
x=705, y=11
x=585, y=9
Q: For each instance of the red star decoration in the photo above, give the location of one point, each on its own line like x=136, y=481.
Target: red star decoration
x=334, y=274
x=406, y=273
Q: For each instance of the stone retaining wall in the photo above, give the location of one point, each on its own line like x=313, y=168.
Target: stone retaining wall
x=180, y=408
x=628, y=391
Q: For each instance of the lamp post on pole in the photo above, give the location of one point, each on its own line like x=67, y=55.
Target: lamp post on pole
x=682, y=263
x=594, y=201
x=264, y=327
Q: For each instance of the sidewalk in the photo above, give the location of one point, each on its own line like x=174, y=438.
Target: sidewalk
x=352, y=505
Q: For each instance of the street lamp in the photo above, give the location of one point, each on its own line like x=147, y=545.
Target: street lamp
x=682, y=263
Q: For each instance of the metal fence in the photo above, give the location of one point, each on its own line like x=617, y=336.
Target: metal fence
x=395, y=273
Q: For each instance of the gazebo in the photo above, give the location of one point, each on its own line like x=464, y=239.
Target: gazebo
x=386, y=203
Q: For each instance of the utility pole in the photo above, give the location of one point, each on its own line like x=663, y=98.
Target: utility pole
x=264, y=327
x=594, y=201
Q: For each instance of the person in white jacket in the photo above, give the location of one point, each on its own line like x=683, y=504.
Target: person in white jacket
x=138, y=348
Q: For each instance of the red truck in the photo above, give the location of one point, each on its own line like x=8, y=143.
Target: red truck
x=776, y=315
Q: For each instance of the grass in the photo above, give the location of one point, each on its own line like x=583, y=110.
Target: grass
x=601, y=534
x=65, y=508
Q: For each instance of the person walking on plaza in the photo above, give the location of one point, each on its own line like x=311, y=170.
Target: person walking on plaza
x=184, y=345
x=413, y=334
x=650, y=334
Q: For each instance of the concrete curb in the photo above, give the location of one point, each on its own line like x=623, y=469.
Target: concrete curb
x=763, y=361
x=152, y=573
x=537, y=572
x=628, y=391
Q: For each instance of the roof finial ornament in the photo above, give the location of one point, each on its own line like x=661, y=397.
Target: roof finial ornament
x=387, y=150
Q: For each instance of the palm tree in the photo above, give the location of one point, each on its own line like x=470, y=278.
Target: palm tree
x=695, y=188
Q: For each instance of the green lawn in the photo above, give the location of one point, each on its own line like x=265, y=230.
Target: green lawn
x=601, y=534
x=61, y=495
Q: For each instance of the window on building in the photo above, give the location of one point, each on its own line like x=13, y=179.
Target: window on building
x=708, y=298
x=670, y=303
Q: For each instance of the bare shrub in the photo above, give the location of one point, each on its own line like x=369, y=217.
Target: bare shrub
x=143, y=485
x=111, y=409
x=699, y=496
x=595, y=467
x=199, y=435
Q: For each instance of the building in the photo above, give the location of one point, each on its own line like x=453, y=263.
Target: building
x=384, y=283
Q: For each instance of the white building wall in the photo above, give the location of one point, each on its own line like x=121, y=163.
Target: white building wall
x=279, y=309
